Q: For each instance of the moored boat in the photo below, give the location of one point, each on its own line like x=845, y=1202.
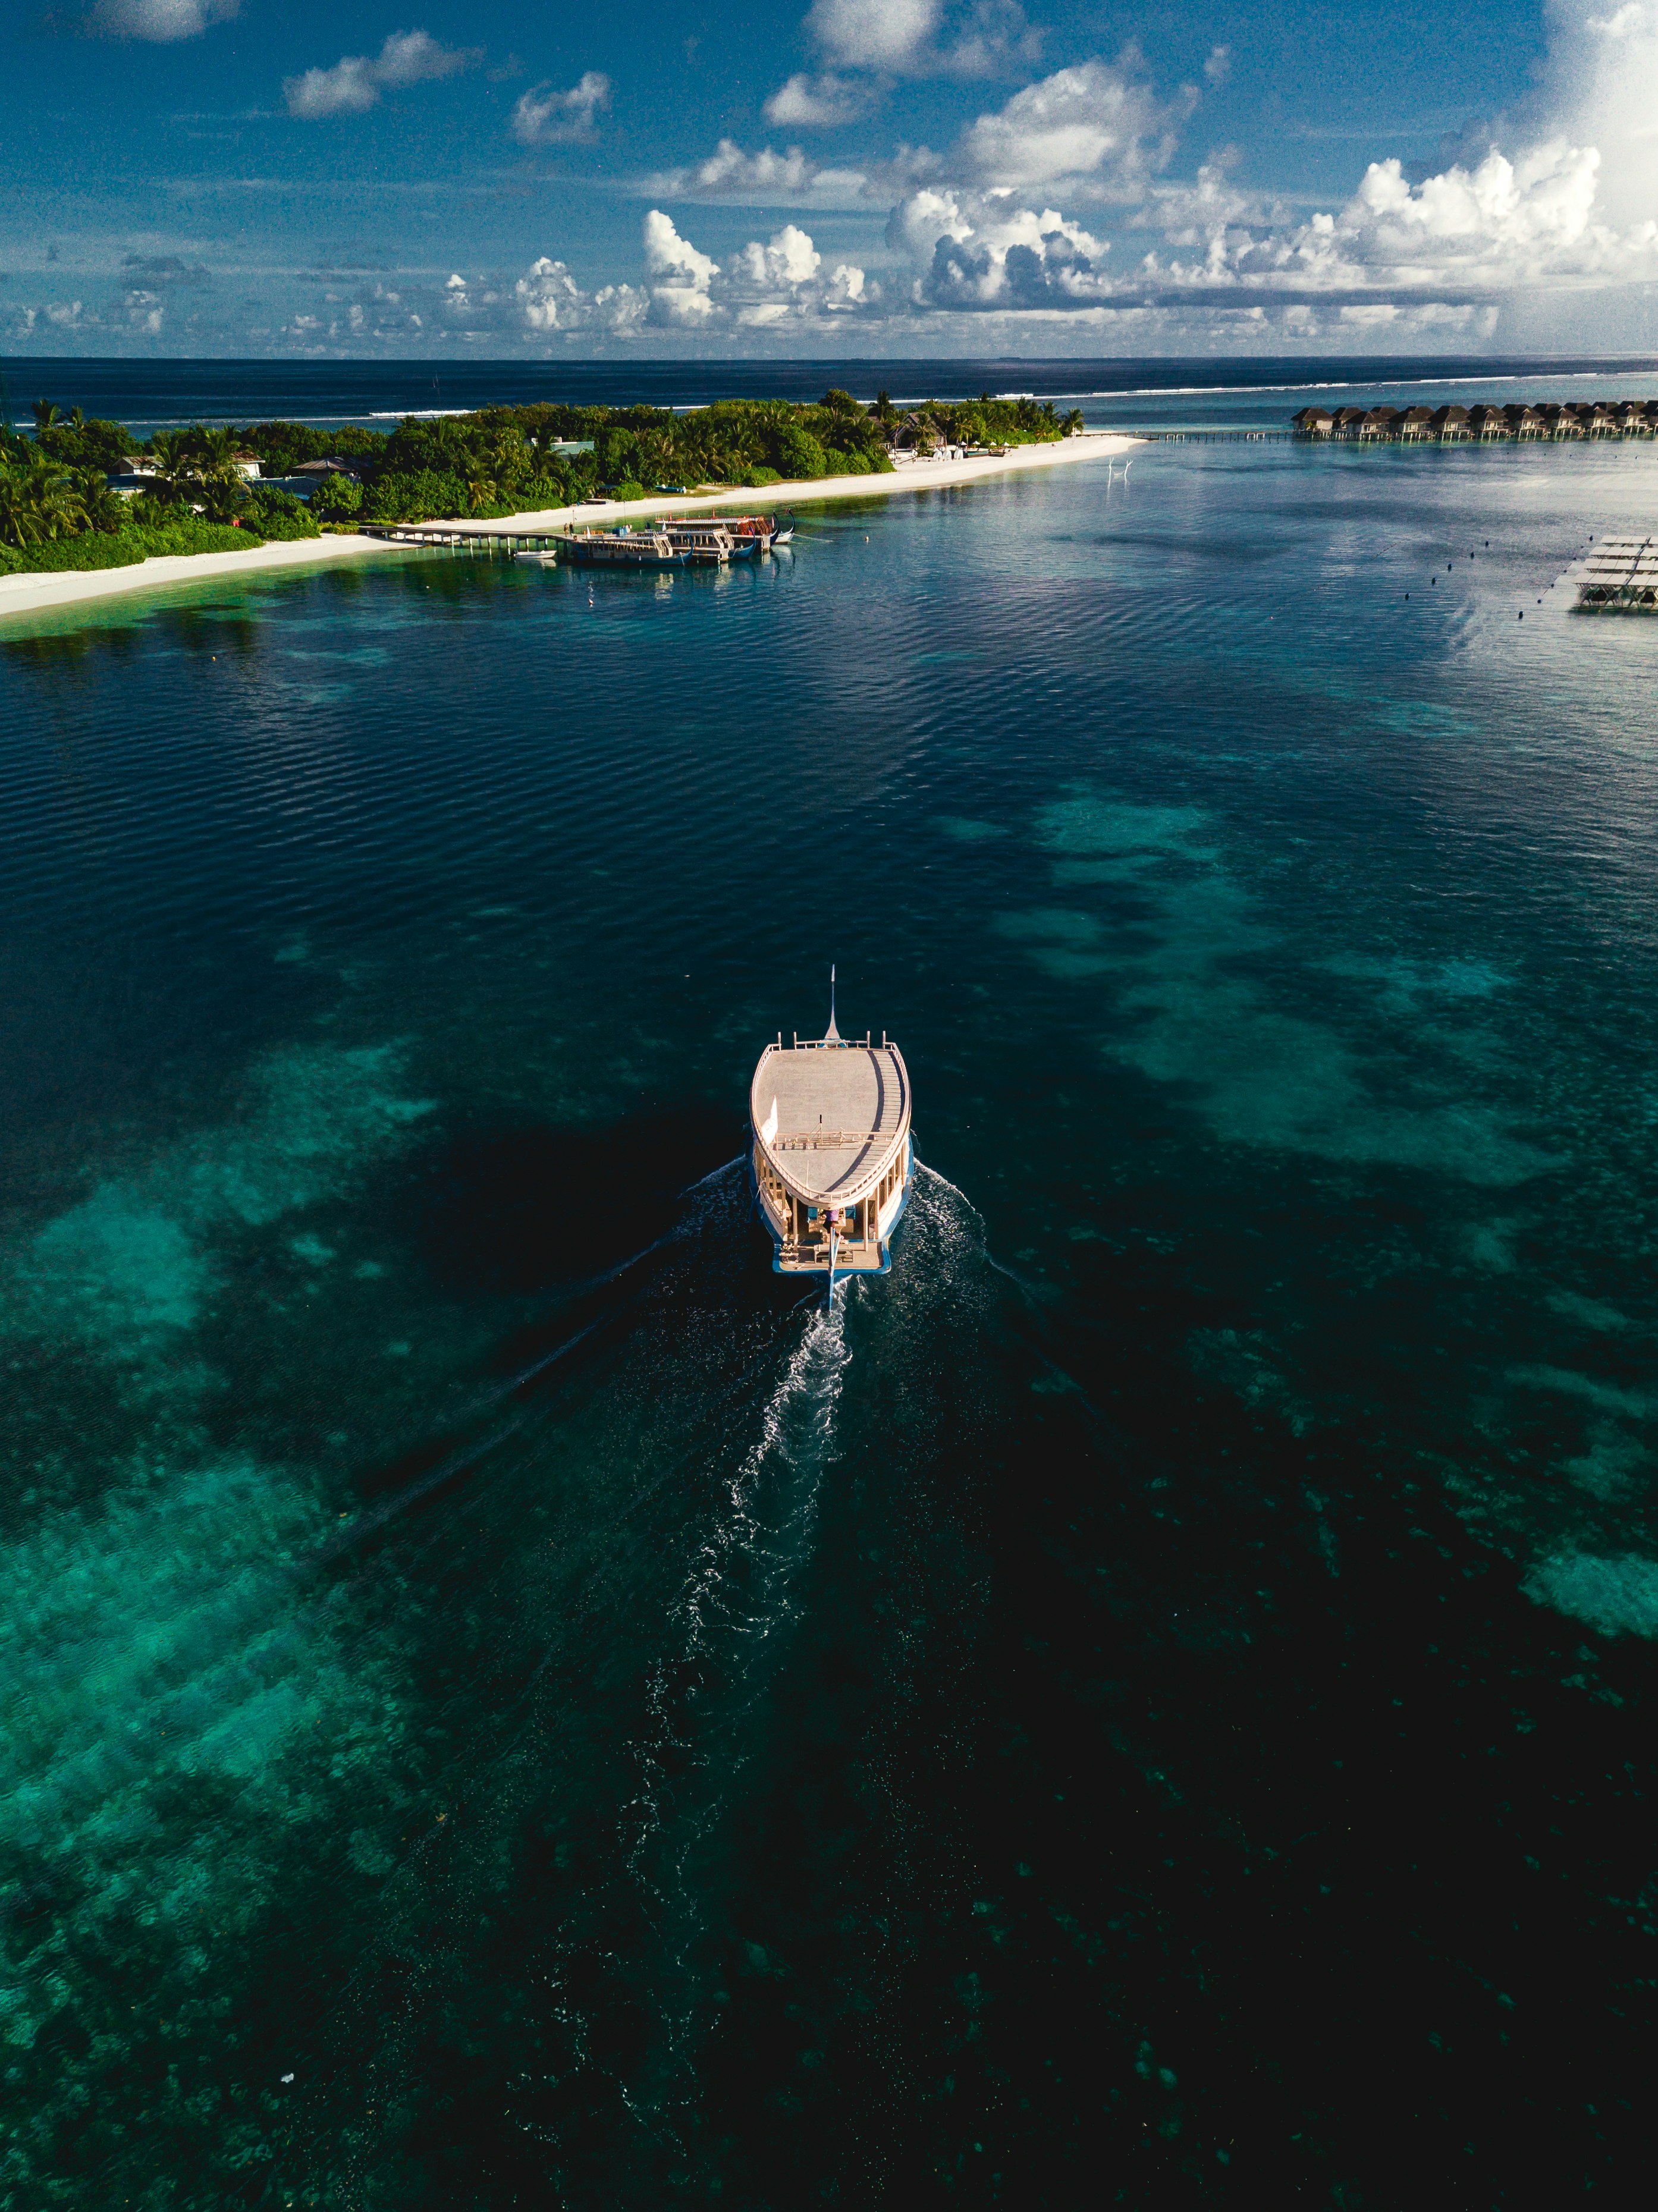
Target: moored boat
x=753, y=533
x=832, y=1157
x=701, y=541
x=621, y=549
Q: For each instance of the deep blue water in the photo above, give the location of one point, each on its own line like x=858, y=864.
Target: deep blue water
x=501, y=1703
x=149, y=394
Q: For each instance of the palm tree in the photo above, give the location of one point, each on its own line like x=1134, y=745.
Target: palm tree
x=38, y=501
x=47, y=415
x=198, y=468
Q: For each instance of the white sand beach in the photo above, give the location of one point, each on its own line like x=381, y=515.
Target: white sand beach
x=30, y=595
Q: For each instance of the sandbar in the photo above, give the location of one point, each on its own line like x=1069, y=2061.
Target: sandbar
x=30, y=595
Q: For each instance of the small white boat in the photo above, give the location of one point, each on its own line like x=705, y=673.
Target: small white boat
x=833, y=1159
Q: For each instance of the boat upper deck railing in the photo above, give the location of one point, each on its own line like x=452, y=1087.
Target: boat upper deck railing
x=827, y=1141
x=865, y=1043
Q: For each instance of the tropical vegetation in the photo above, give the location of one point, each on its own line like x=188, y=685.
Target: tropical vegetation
x=57, y=511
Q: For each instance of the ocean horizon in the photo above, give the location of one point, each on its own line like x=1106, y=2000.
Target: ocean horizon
x=149, y=393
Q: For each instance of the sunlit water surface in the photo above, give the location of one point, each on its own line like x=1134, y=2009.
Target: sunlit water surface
x=502, y=1702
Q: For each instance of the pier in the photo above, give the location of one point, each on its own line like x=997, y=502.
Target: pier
x=490, y=536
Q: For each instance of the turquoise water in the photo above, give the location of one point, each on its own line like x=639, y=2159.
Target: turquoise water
x=504, y=1704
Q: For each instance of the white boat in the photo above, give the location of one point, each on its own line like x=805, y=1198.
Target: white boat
x=832, y=1158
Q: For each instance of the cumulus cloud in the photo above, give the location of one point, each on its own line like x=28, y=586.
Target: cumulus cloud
x=545, y=116
x=763, y=179
x=162, y=21
x=1098, y=121
x=818, y=102
x=1567, y=208
x=548, y=299
x=874, y=33
x=868, y=43
x=356, y=82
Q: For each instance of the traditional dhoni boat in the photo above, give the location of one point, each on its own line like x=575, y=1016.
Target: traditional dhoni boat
x=621, y=549
x=706, y=541
x=832, y=1158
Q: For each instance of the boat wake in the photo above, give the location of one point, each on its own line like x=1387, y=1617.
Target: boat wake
x=706, y=1704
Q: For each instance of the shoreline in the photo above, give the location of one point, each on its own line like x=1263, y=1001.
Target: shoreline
x=33, y=594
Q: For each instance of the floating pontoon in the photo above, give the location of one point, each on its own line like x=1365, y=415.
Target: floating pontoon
x=832, y=1153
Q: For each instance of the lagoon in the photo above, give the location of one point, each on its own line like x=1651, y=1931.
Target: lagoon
x=503, y=1702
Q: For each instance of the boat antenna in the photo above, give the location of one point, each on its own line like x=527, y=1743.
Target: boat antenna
x=831, y=1035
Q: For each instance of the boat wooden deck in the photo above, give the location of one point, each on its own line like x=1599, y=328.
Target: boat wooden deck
x=830, y=1115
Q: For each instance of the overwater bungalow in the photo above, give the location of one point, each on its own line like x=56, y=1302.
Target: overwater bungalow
x=1451, y=424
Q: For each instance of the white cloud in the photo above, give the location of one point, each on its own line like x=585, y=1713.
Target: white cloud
x=356, y=82
x=681, y=277
x=544, y=117
x=763, y=179
x=1096, y=121
x=1218, y=67
x=162, y=21
x=817, y=103
x=886, y=39
x=874, y=33
x=1570, y=208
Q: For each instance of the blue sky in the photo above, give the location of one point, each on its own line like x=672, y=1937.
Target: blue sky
x=905, y=177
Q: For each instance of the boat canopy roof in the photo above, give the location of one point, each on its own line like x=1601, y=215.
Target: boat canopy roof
x=831, y=1117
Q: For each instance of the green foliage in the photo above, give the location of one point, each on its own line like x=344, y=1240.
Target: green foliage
x=629, y=488
x=88, y=443
x=761, y=476
x=277, y=515
x=796, y=452
x=120, y=549
x=39, y=501
x=281, y=447
x=335, y=499
x=415, y=495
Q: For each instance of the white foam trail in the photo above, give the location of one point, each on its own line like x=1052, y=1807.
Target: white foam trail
x=736, y=1599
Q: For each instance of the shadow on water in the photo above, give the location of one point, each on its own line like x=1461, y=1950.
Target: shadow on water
x=514, y=1211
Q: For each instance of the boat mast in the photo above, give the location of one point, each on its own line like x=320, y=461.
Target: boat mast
x=831, y=1035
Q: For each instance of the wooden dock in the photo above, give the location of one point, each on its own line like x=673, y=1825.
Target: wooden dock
x=474, y=537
